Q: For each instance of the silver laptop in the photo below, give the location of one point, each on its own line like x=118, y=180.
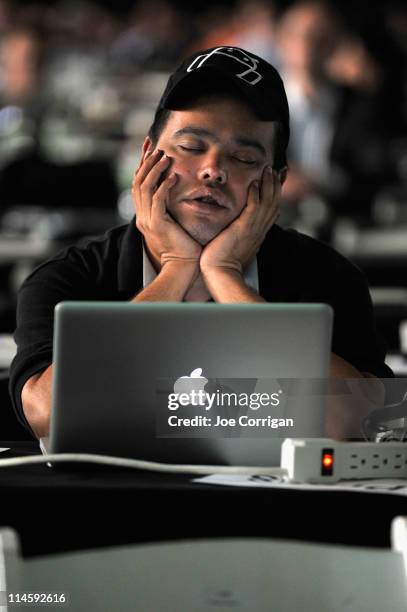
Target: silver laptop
x=117, y=366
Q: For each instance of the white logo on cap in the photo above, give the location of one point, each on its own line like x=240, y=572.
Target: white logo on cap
x=236, y=54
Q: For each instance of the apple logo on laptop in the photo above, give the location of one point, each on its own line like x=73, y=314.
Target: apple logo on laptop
x=194, y=382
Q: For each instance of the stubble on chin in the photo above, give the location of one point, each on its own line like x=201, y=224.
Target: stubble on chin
x=201, y=231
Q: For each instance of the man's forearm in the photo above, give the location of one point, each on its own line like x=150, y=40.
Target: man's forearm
x=229, y=287
x=36, y=402
x=171, y=284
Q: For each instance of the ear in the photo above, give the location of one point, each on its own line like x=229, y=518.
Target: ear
x=282, y=175
x=147, y=147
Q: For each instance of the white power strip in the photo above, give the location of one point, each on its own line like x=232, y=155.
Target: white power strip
x=323, y=460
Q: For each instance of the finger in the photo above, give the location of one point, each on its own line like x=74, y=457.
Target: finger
x=137, y=177
x=270, y=198
x=143, y=157
x=161, y=196
x=253, y=196
x=156, y=175
x=267, y=187
x=148, y=163
x=263, y=206
x=141, y=217
x=278, y=186
x=144, y=191
x=255, y=192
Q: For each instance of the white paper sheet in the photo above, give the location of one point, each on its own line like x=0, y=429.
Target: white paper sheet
x=393, y=486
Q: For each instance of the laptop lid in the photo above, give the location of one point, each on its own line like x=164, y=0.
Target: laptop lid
x=116, y=364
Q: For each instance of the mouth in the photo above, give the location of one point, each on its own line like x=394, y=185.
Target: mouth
x=204, y=205
x=206, y=202
x=209, y=200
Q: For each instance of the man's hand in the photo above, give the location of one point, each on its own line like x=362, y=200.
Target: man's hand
x=165, y=239
x=235, y=247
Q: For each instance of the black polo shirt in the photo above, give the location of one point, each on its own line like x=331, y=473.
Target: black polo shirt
x=292, y=267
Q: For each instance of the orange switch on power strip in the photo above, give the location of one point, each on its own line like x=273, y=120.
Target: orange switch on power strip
x=327, y=461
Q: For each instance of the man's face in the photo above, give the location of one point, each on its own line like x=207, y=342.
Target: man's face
x=218, y=148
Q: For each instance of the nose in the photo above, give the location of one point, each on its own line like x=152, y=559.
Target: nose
x=213, y=171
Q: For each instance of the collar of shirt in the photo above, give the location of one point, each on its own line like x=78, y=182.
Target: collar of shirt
x=251, y=276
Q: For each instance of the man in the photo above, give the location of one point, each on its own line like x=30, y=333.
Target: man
x=207, y=197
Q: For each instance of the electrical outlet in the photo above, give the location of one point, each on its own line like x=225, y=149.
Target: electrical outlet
x=323, y=460
x=373, y=460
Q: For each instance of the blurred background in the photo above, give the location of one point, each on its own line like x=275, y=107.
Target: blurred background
x=79, y=82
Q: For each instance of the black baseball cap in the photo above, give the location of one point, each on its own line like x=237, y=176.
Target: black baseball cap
x=256, y=79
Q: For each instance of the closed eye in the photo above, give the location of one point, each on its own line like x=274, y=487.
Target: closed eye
x=190, y=148
x=250, y=162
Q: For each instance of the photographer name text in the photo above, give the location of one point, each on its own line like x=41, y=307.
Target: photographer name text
x=242, y=421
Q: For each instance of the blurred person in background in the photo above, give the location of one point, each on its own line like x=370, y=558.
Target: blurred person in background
x=257, y=28
x=81, y=34
x=370, y=117
x=21, y=65
x=23, y=99
x=50, y=60
x=82, y=24
x=344, y=80
x=156, y=35
x=216, y=27
x=251, y=25
x=305, y=32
